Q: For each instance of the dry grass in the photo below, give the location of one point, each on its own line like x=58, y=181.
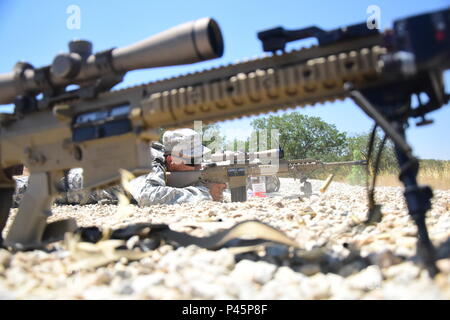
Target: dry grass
x=388, y=179
x=438, y=177
x=434, y=173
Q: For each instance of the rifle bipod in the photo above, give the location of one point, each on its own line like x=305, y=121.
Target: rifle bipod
x=306, y=188
x=389, y=108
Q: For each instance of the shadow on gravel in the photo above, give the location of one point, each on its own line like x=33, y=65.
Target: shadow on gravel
x=443, y=249
x=346, y=262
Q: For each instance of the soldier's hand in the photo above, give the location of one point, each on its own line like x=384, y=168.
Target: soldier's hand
x=216, y=190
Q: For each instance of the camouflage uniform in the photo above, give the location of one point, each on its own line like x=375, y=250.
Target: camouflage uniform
x=21, y=187
x=151, y=189
x=146, y=190
x=73, y=192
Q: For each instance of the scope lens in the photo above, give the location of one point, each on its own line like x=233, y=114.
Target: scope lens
x=215, y=37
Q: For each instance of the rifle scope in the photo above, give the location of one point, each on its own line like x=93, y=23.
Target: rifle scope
x=187, y=43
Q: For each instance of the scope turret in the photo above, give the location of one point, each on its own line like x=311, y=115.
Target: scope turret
x=187, y=43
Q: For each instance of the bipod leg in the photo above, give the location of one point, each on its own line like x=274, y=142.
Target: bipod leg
x=306, y=188
x=418, y=200
x=388, y=107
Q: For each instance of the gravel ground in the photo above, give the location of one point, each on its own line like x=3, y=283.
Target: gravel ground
x=343, y=260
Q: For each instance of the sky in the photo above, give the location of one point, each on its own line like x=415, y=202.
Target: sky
x=35, y=31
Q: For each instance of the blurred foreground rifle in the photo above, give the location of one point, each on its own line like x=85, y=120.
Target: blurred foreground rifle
x=90, y=127
x=101, y=130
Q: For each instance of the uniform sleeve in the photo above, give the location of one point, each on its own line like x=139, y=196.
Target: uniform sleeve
x=151, y=189
x=72, y=189
x=74, y=193
x=21, y=187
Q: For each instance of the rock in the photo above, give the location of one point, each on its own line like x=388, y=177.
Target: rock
x=6, y=295
x=132, y=242
x=410, y=231
x=279, y=204
x=403, y=273
x=249, y=271
x=345, y=293
x=411, y=291
x=407, y=242
x=285, y=275
x=366, y=280
x=5, y=259
x=206, y=290
x=212, y=213
x=247, y=291
x=351, y=268
x=122, y=273
x=272, y=290
x=104, y=277
x=316, y=287
x=263, y=272
x=277, y=251
x=290, y=216
x=163, y=293
x=126, y=289
x=384, y=259
x=444, y=265
x=97, y=293
x=218, y=261
x=309, y=269
x=174, y=280
x=144, y=283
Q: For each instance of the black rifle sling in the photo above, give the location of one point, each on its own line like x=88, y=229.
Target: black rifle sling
x=240, y=234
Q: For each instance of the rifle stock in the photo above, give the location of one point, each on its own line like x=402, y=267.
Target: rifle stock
x=183, y=179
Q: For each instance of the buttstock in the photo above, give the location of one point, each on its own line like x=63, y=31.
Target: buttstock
x=182, y=179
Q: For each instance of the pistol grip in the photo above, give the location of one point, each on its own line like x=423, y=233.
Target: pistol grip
x=30, y=222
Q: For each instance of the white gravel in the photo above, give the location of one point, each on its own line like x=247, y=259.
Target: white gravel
x=345, y=260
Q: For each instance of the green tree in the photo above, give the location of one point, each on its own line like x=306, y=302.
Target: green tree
x=357, y=174
x=305, y=137
x=237, y=145
x=359, y=143
x=213, y=138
